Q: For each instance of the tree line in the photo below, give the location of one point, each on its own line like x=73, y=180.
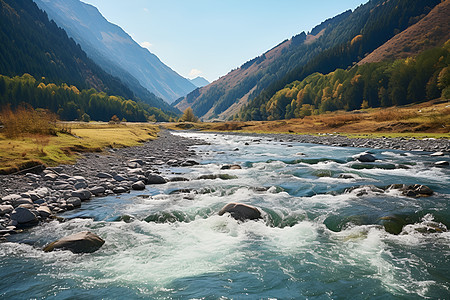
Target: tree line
x=70, y=103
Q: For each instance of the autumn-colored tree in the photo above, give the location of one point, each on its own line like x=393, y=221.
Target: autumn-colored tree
x=188, y=116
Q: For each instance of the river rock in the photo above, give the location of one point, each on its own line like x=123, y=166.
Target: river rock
x=6, y=209
x=138, y=186
x=442, y=163
x=438, y=154
x=217, y=176
x=42, y=192
x=83, y=194
x=23, y=215
x=74, y=201
x=346, y=176
x=119, y=178
x=364, y=157
x=11, y=198
x=120, y=190
x=417, y=190
x=50, y=177
x=80, y=185
x=155, y=179
x=104, y=175
x=82, y=242
x=97, y=190
x=178, y=179
x=133, y=165
x=189, y=163
x=21, y=201
x=241, y=212
x=231, y=167
x=44, y=211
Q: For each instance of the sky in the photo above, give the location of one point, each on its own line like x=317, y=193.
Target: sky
x=209, y=38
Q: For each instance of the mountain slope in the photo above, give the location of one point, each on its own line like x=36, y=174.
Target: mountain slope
x=113, y=49
x=63, y=79
x=431, y=31
x=338, y=42
x=30, y=43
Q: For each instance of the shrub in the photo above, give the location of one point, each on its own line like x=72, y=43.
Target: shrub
x=26, y=120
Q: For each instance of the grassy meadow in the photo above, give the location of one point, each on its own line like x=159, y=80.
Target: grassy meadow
x=31, y=138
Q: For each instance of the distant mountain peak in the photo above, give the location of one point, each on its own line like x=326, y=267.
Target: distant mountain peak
x=199, y=81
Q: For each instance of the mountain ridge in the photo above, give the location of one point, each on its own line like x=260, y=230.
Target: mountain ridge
x=342, y=41
x=110, y=46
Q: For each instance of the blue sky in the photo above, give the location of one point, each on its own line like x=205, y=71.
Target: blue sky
x=209, y=38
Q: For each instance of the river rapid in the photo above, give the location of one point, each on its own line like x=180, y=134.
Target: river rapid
x=319, y=238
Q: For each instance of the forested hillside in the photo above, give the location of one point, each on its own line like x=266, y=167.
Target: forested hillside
x=30, y=43
x=384, y=84
x=398, y=83
x=70, y=103
x=337, y=43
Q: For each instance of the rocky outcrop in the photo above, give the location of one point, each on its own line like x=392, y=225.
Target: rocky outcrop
x=82, y=242
x=241, y=212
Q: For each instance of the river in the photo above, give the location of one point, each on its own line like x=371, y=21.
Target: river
x=318, y=238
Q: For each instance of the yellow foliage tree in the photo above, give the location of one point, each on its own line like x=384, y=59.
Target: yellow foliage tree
x=188, y=116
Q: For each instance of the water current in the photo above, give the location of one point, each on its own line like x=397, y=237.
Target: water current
x=318, y=239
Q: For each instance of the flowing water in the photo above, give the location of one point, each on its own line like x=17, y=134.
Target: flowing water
x=316, y=240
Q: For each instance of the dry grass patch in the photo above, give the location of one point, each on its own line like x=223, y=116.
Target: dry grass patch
x=63, y=147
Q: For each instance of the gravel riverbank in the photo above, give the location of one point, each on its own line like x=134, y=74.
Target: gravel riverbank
x=31, y=198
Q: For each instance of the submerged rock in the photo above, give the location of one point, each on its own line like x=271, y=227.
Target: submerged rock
x=217, y=176
x=231, y=167
x=364, y=157
x=82, y=242
x=442, y=163
x=416, y=190
x=241, y=212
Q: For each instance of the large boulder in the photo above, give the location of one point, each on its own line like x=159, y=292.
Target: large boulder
x=364, y=157
x=23, y=215
x=155, y=179
x=82, y=242
x=241, y=212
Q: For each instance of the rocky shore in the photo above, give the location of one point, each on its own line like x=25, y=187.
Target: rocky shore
x=426, y=145
x=28, y=199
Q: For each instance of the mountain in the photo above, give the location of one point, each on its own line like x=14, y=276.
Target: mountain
x=336, y=43
x=113, y=49
x=30, y=43
x=199, y=81
x=431, y=31
x=41, y=66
